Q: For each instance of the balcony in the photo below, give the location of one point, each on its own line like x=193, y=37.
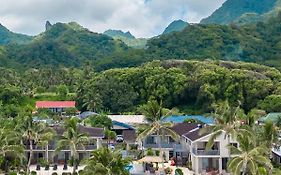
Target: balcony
x=203, y=152
x=52, y=147
x=154, y=145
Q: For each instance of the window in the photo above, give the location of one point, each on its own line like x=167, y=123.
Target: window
x=234, y=144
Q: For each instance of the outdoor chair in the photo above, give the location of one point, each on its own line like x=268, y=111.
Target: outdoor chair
x=47, y=167
x=55, y=167
x=38, y=167
x=65, y=167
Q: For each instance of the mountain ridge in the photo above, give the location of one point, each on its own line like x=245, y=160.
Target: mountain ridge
x=232, y=10
x=8, y=37
x=175, y=26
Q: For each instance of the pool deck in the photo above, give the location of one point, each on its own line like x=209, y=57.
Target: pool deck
x=137, y=170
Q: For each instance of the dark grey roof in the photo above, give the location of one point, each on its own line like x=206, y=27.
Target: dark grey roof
x=91, y=131
x=86, y=114
x=183, y=128
x=129, y=136
x=196, y=134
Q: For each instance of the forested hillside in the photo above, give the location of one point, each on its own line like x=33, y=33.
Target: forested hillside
x=71, y=45
x=67, y=45
x=254, y=43
x=191, y=86
x=8, y=37
x=175, y=26
x=246, y=10
x=127, y=38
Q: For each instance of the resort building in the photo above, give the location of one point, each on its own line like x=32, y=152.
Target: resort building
x=48, y=152
x=55, y=106
x=205, y=160
x=191, y=149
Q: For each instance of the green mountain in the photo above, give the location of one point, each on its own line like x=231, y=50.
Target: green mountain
x=118, y=33
x=241, y=10
x=175, y=26
x=127, y=38
x=7, y=37
x=254, y=43
x=67, y=45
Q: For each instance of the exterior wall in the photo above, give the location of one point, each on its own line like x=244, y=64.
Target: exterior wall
x=223, y=142
x=48, y=152
x=204, y=160
x=276, y=158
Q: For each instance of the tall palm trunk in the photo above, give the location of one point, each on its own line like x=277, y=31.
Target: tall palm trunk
x=74, y=158
x=160, y=147
x=30, y=156
x=74, y=166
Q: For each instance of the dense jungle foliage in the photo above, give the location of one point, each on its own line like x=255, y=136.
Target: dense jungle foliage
x=191, y=86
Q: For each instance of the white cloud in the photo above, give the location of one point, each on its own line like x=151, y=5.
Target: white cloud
x=143, y=18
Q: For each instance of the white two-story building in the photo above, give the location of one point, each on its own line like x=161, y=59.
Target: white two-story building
x=191, y=149
x=205, y=160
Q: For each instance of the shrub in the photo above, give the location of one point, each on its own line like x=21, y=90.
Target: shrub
x=157, y=152
x=54, y=173
x=33, y=173
x=168, y=170
x=12, y=173
x=149, y=152
x=189, y=165
x=178, y=172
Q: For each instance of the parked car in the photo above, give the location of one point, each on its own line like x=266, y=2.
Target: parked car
x=111, y=146
x=119, y=138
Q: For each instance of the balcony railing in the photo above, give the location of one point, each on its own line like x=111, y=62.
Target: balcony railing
x=154, y=145
x=205, y=152
x=53, y=147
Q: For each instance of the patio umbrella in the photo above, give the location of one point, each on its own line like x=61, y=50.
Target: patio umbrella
x=151, y=159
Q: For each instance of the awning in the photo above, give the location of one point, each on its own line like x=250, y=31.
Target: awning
x=151, y=159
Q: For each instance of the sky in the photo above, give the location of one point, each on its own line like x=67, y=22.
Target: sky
x=143, y=18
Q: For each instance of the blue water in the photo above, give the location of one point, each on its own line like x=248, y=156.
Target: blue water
x=180, y=119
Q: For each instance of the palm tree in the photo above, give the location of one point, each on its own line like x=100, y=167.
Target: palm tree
x=268, y=134
x=92, y=100
x=107, y=162
x=73, y=139
x=110, y=135
x=10, y=144
x=227, y=119
x=249, y=157
x=155, y=113
x=34, y=133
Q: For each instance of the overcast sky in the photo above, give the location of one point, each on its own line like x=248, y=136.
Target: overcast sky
x=144, y=18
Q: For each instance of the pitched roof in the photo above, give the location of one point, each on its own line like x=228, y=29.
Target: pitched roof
x=91, y=131
x=129, y=136
x=129, y=119
x=124, y=125
x=195, y=134
x=55, y=104
x=183, y=128
x=182, y=118
x=273, y=116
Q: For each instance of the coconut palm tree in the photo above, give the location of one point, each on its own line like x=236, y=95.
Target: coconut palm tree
x=249, y=157
x=110, y=135
x=10, y=145
x=107, y=162
x=228, y=120
x=34, y=134
x=154, y=114
x=72, y=139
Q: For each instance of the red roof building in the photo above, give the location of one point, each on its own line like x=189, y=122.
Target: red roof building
x=55, y=106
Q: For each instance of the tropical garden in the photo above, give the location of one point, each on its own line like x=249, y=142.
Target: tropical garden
x=237, y=94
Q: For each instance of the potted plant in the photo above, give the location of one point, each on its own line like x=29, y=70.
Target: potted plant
x=178, y=172
x=168, y=170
